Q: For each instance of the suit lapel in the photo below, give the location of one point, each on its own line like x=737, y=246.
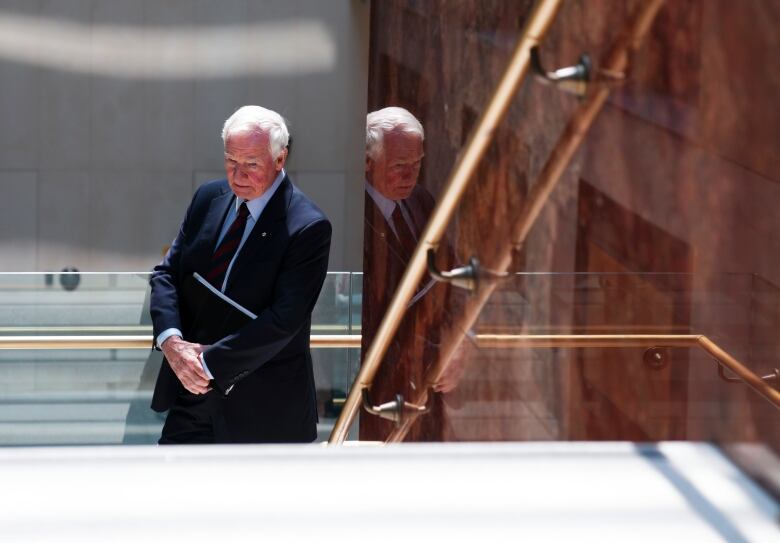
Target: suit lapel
x=206, y=241
x=276, y=209
x=218, y=209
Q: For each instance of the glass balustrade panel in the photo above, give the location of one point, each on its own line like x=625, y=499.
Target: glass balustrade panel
x=102, y=396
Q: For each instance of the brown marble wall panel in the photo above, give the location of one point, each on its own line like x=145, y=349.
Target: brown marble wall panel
x=740, y=119
x=664, y=76
x=684, y=160
x=617, y=392
x=684, y=146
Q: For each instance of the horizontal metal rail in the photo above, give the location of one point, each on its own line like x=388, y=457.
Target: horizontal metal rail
x=498, y=341
x=702, y=342
x=484, y=341
x=352, y=341
x=344, y=341
x=127, y=330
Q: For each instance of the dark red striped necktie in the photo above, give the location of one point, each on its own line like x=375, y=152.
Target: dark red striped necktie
x=403, y=232
x=221, y=258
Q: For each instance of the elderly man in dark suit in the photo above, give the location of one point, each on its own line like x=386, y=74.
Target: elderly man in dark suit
x=397, y=210
x=264, y=244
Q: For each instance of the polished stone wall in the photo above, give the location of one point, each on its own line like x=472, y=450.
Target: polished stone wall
x=663, y=222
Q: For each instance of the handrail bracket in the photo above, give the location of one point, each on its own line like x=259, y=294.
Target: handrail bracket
x=467, y=277
x=397, y=410
x=774, y=376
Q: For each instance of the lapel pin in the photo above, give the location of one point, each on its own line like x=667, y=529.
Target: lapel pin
x=263, y=234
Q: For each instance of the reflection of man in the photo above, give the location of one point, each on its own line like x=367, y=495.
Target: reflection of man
x=396, y=212
x=265, y=245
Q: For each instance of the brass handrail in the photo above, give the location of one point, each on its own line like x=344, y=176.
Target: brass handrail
x=343, y=341
x=539, y=21
x=617, y=60
x=580, y=341
x=485, y=341
x=724, y=359
x=120, y=329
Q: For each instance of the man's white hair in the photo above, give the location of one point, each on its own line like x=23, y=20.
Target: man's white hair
x=389, y=119
x=248, y=119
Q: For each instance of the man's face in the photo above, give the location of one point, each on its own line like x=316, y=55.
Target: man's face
x=394, y=171
x=249, y=166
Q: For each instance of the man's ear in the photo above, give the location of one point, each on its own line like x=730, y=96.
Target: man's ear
x=280, y=160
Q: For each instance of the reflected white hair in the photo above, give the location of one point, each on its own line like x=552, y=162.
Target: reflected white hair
x=389, y=119
x=248, y=119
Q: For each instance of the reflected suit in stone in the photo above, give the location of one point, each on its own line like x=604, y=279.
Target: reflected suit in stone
x=415, y=344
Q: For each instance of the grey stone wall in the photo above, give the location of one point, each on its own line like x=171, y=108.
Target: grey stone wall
x=111, y=113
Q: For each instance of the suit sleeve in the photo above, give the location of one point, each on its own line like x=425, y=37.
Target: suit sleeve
x=164, y=281
x=295, y=292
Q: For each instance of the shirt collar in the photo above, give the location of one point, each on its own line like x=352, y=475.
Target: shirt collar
x=257, y=205
x=385, y=204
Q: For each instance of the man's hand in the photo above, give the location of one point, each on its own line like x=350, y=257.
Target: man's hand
x=184, y=359
x=454, y=373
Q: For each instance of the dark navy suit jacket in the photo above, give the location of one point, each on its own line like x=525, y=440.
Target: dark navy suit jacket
x=266, y=365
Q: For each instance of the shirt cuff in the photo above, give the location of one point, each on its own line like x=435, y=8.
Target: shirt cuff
x=165, y=334
x=205, y=367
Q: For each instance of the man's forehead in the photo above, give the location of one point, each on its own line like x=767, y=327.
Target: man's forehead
x=245, y=143
x=402, y=142
x=249, y=153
